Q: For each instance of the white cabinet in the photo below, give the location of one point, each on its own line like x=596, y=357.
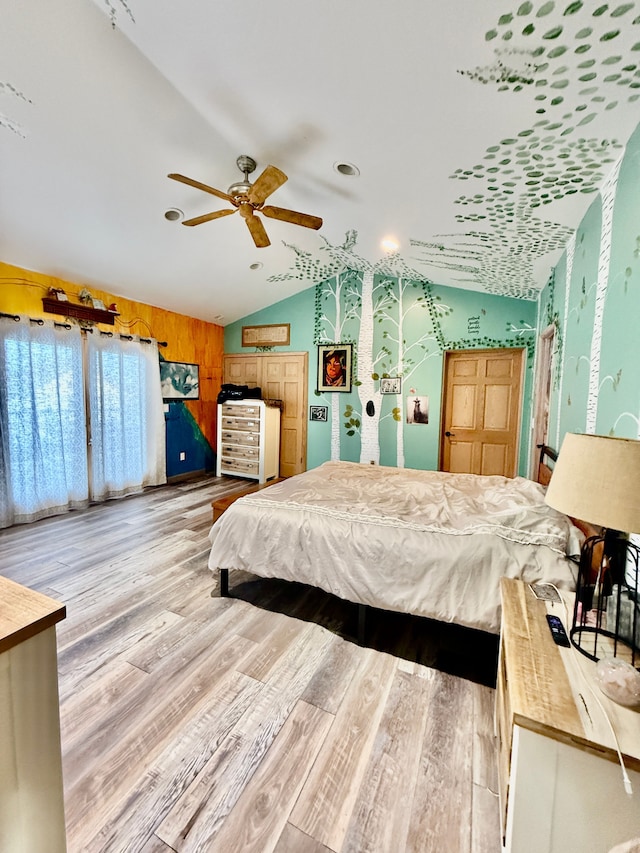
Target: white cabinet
x=249, y=439
x=31, y=791
x=561, y=788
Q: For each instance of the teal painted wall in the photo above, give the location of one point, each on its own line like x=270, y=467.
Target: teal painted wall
x=596, y=374
x=413, y=323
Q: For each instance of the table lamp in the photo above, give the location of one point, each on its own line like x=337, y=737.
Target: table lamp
x=597, y=479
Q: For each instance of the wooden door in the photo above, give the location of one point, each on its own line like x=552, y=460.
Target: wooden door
x=241, y=370
x=482, y=401
x=542, y=394
x=281, y=376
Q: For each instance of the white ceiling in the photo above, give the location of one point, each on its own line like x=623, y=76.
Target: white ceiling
x=101, y=99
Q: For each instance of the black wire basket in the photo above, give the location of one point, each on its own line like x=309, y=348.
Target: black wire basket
x=606, y=614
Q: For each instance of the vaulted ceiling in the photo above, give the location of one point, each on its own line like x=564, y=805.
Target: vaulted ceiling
x=479, y=133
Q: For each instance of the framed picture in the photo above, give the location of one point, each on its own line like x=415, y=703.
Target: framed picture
x=417, y=410
x=334, y=367
x=318, y=413
x=179, y=380
x=390, y=385
x=273, y=334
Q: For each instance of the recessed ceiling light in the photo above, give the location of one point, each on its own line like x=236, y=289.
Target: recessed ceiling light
x=173, y=214
x=389, y=244
x=256, y=266
x=348, y=169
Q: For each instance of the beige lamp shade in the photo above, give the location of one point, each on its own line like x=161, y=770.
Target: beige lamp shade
x=597, y=479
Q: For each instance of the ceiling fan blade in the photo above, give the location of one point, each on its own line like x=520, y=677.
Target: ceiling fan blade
x=255, y=226
x=198, y=220
x=199, y=186
x=268, y=182
x=304, y=219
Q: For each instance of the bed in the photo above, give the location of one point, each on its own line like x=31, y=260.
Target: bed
x=428, y=543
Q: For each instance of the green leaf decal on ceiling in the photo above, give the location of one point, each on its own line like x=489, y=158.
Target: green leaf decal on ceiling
x=545, y=162
x=557, y=58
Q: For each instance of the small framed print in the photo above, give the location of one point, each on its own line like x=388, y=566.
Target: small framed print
x=318, y=413
x=417, y=410
x=390, y=385
x=334, y=367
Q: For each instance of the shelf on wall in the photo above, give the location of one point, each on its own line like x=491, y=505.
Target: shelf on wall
x=80, y=312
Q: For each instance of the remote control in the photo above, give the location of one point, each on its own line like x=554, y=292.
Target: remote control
x=557, y=630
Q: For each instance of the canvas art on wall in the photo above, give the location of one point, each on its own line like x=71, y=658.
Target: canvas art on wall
x=179, y=380
x=334, y=367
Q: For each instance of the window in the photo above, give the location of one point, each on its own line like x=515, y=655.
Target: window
x=45, y=467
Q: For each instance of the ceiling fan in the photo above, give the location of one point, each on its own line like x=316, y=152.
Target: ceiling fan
x=249, y=199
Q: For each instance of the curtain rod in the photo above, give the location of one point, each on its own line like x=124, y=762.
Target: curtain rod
x=40, y=322
x=128, y=337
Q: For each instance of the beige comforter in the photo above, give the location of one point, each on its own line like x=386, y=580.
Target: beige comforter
x=422, y=542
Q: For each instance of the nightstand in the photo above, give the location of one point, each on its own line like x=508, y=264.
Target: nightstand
x=31, y=788
x=561, y=787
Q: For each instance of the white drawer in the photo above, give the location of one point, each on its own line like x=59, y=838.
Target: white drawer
x=246, y=424
x=229, y=436
x=242, y=466
x=238, y=451
x=248, y=411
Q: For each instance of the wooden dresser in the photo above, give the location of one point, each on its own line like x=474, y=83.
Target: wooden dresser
x=249, y=439
x=31, y=794
x=561, y=787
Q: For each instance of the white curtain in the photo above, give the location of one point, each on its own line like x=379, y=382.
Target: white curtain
x=45, y=379
x=127, y=429
x=43, y=458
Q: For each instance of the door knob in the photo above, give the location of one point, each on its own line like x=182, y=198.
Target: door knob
x=448, y=434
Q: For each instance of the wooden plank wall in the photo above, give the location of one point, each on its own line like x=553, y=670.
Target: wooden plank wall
x=188, y=339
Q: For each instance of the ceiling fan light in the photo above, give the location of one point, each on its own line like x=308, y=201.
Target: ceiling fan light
x=240, y=189
x=389, y=244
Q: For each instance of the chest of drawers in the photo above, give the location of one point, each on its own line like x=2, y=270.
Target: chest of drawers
x=248, y=439
x=561, y=788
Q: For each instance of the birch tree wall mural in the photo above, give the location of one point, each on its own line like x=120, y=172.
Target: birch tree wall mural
x=338, y=305
x=608, y=199
x=400, y=324
x=396, y=354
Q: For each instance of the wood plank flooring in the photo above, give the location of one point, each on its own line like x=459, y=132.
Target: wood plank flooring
x=197, y=723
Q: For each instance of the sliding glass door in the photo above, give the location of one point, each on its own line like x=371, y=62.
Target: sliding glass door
x=126, y=419
x=43, y=455
x=59, y=395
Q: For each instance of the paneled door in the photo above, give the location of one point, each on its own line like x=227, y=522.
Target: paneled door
x=281, y=376
x=542, y=394
x=481, y=408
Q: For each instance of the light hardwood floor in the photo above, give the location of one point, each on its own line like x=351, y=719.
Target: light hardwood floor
x=192, y=722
